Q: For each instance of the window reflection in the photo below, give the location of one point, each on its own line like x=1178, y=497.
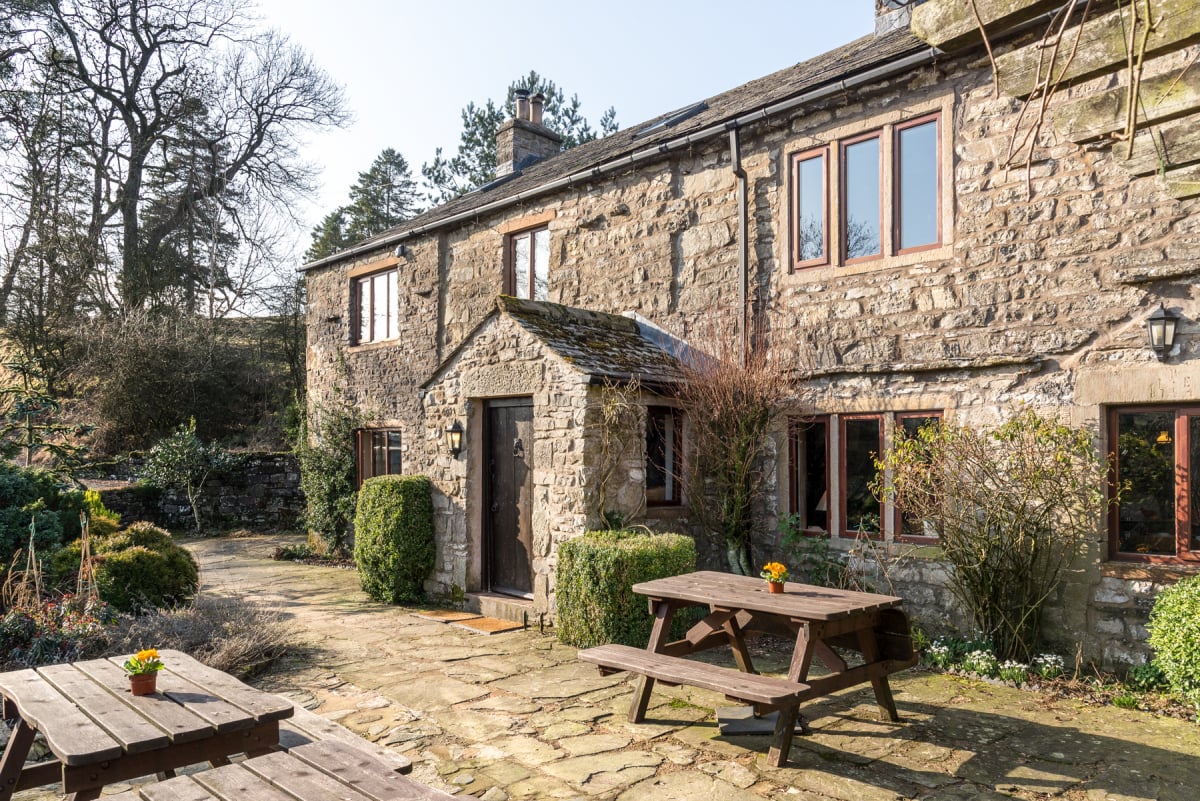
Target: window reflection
x=810, y=445
x=810, y=208
x=917, y=194
x=862, y=444
x=861, y=230
x=1146, y=469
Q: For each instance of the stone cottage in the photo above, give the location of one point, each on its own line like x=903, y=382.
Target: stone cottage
x=912, y=239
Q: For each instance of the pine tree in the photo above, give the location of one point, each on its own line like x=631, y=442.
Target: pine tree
x=475, y=162
x=384, y=196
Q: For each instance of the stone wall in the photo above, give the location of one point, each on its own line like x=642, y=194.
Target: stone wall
x=1036, y=295
x=261, y=493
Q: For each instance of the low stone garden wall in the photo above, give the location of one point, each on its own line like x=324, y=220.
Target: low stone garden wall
x=261, y=492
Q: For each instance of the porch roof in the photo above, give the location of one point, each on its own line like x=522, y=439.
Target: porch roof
x=598, y=344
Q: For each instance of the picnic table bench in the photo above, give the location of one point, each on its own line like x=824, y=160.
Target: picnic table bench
x=817, y=618
x=321, y=771
x=305, y=727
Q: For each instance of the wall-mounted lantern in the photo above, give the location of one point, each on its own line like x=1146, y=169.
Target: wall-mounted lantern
x=454, y=436
x=1161, y=327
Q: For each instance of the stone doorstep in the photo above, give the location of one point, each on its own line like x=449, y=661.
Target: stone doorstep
x=503, y=607
x=488, y=625
x=445, y=615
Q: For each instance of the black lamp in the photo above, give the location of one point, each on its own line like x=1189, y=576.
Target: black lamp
x=454, y=436
x=1161, y=327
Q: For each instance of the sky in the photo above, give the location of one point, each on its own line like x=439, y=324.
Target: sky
x=408, y=68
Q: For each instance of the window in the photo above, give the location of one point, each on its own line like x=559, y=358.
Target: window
x=810, y=237
x=885, y=198
x=529, y=264
x=375, y=307
x=1156, y=453
x=908, y=527
x=918, y=185
x=664, y=452
x=861, y=202
x=862, y=442
x=809, y=448
x=377, y=453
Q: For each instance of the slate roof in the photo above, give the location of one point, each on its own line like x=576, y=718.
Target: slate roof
x=598, y=344
x=837, y=64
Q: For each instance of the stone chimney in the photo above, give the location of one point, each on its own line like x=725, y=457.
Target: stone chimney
x=891, y=15
x=523, y=140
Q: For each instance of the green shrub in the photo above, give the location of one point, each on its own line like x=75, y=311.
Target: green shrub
x=594, y=599
x=325, y=451
x=1174, y=631
x=33, y=494
x=393, y=537
x=139, y=578
x=141, y=533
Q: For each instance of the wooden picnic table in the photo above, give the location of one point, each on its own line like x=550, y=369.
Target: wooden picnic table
x=817, y=618
x=324, y=771
x=99, y=733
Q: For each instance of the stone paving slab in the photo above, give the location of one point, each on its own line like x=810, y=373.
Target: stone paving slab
x=516, y=716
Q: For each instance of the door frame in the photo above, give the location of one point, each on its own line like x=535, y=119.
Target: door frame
x=486, y=534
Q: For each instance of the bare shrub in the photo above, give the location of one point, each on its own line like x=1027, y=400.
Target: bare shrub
x=731, y=400
x=231, y=634
x=1014, y=506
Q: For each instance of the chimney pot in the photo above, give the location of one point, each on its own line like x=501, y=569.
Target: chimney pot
x=537, y=105
x=522, y=104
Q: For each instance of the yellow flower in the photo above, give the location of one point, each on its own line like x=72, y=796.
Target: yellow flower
x=774, y=572
x=147, y=655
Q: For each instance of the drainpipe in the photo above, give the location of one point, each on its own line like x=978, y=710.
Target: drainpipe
x=743, y=237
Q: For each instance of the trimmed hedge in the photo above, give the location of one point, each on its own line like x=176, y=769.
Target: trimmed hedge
x=393, y=537
x=1174, y=632
x=137, y=569
x=594, y=599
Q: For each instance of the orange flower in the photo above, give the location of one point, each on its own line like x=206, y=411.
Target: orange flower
x=775, y=572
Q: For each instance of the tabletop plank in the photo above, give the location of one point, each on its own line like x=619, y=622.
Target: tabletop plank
x=799, y=601
x=304, y=781
x=74, y=737
x=236, y=783
x=133, y=731
x=222, y=716
x=365, y=774
x=261, y=706
x=181, y=724
x=179, y=789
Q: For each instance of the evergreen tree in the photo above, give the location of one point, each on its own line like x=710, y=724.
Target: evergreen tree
x=384, y=196
x=475, y=162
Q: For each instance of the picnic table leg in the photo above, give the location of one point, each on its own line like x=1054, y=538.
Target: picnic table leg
x=664, y=611
x=785, y=725
x=869, y=645
x=15, y=754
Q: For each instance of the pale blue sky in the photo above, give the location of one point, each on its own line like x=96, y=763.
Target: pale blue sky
x=409, y=67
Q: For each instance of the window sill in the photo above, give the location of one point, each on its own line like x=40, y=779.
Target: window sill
x=825, y=272
x=365, y=346
x=1148, y=571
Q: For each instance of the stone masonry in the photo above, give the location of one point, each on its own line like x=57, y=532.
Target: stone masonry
x=1036, y=296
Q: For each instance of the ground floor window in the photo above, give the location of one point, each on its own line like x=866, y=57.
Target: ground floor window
x=820, y=470
x=664, y=455
x=1156, y=463
x=377, y=453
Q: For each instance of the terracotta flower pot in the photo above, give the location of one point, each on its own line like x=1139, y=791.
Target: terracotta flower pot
x=775, y=586
x=143, y=683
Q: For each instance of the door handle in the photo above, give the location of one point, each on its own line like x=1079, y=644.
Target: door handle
x=518, y=448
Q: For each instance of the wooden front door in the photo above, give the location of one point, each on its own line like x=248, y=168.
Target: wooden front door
x=509, y=516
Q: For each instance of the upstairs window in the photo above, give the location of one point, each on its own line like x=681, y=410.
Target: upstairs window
x=375, y=307
x=377, y=453
x=810, y=237
x=1156, y=456
x=529, y=264
x=918, y=185
x=664, y=455
x=862, y=236
x=883, y=198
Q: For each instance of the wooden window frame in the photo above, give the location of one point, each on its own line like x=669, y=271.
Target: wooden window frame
x=363, y=446
x=897, y=518
x=1184, y=554
x=797, y=159
x=844, y=529
x=794, y=426
x=677, y=456
x=843, y=198
x=897, y=209
x=510, y=261
x=357, y=284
